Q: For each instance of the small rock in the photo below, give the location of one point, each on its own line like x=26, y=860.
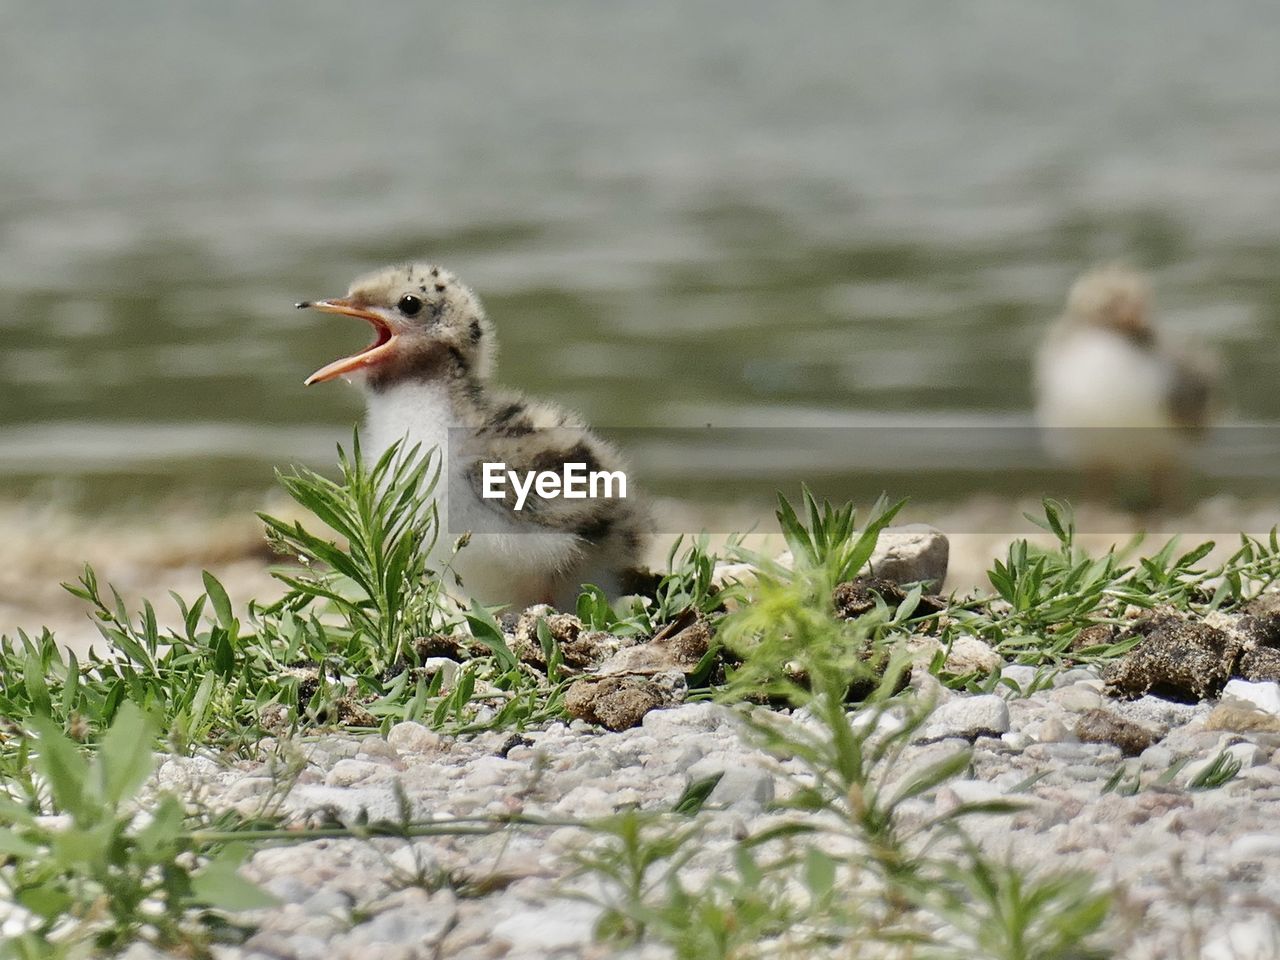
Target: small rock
x=1075, y=675
x=417, y=920
x=740, y=786
x=1077, y=698
x=410, y=737
x=968, y=655
x=1054, y=730
x=1262, y=696
x=968, y=718
x=558, y=926
x=491, y=771
x=1073, y=752
x=690, y=718
x=345, y=773
x=1016, y=740
x=447, y=668
x=1103, y=726
x=1257, y=938
x=1021, y=674
x=1241, y=719
x=911, y=553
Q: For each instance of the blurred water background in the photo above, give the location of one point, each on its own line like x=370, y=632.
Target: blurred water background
x=742, y=214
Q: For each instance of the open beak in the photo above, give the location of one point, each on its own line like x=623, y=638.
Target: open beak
x=384, y=339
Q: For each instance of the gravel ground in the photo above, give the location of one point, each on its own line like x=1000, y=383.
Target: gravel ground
x=1197, y=871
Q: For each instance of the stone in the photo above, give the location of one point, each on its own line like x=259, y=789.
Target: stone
x=1241, y=719
x=1021, y=675
x=556, y=926
x=413, y=738
x=1262, y=696
x=968, y=654
x=1075, y=675
x=1260, y=847
x=1256, y=938
x=740, y=786
x=415, y=919
x=345, y=773
x=911, y=553
x=1054, y=730
x=968, y=718
x=703, y=717
x=1104, y=726
x=444, y=666
x=1077, y=698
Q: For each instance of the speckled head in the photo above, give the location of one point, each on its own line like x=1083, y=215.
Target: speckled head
x=427, y=324
x=1116, y=297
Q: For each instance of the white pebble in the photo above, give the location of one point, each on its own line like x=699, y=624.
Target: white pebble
x=1264, y=696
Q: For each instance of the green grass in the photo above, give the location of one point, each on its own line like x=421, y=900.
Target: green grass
x=341, y=650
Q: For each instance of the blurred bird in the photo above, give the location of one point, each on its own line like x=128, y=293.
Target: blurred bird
x=1113, y=398
x=425, y=379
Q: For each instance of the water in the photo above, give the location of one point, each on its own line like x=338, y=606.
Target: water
x=737, y=214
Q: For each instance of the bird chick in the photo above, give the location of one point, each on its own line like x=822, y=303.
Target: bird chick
x=425, y=379
x=1113, y=398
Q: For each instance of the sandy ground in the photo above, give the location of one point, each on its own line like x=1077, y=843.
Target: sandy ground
x=147, y=555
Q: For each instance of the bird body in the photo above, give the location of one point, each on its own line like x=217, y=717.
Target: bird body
x=1113, y=398
x=425, y=377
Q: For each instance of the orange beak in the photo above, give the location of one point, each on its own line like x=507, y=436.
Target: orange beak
x=384, y=340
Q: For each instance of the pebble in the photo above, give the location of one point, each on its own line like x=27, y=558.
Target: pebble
x=345, y=773
x=742, y=788
x=1257, y=938
x=410, y=737
x=1077, y=698
x=1021, y=675
x=1263, y=696
x=968, y=718
x=553, y=926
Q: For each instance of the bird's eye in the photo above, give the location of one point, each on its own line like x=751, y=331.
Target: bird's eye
x=409, y=305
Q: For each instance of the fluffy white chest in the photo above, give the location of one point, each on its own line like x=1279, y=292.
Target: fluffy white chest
x=1093, y=378
x=1104, y=401
x=506, y=559
x=417, y=413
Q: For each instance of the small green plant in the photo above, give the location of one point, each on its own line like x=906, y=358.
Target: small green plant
x=828, y=539
x=687, y=585
x=378, y=581
x=1044, y=598
x=847, y=868
x=788, y=631
x=99, y=874
x=1218, y=772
